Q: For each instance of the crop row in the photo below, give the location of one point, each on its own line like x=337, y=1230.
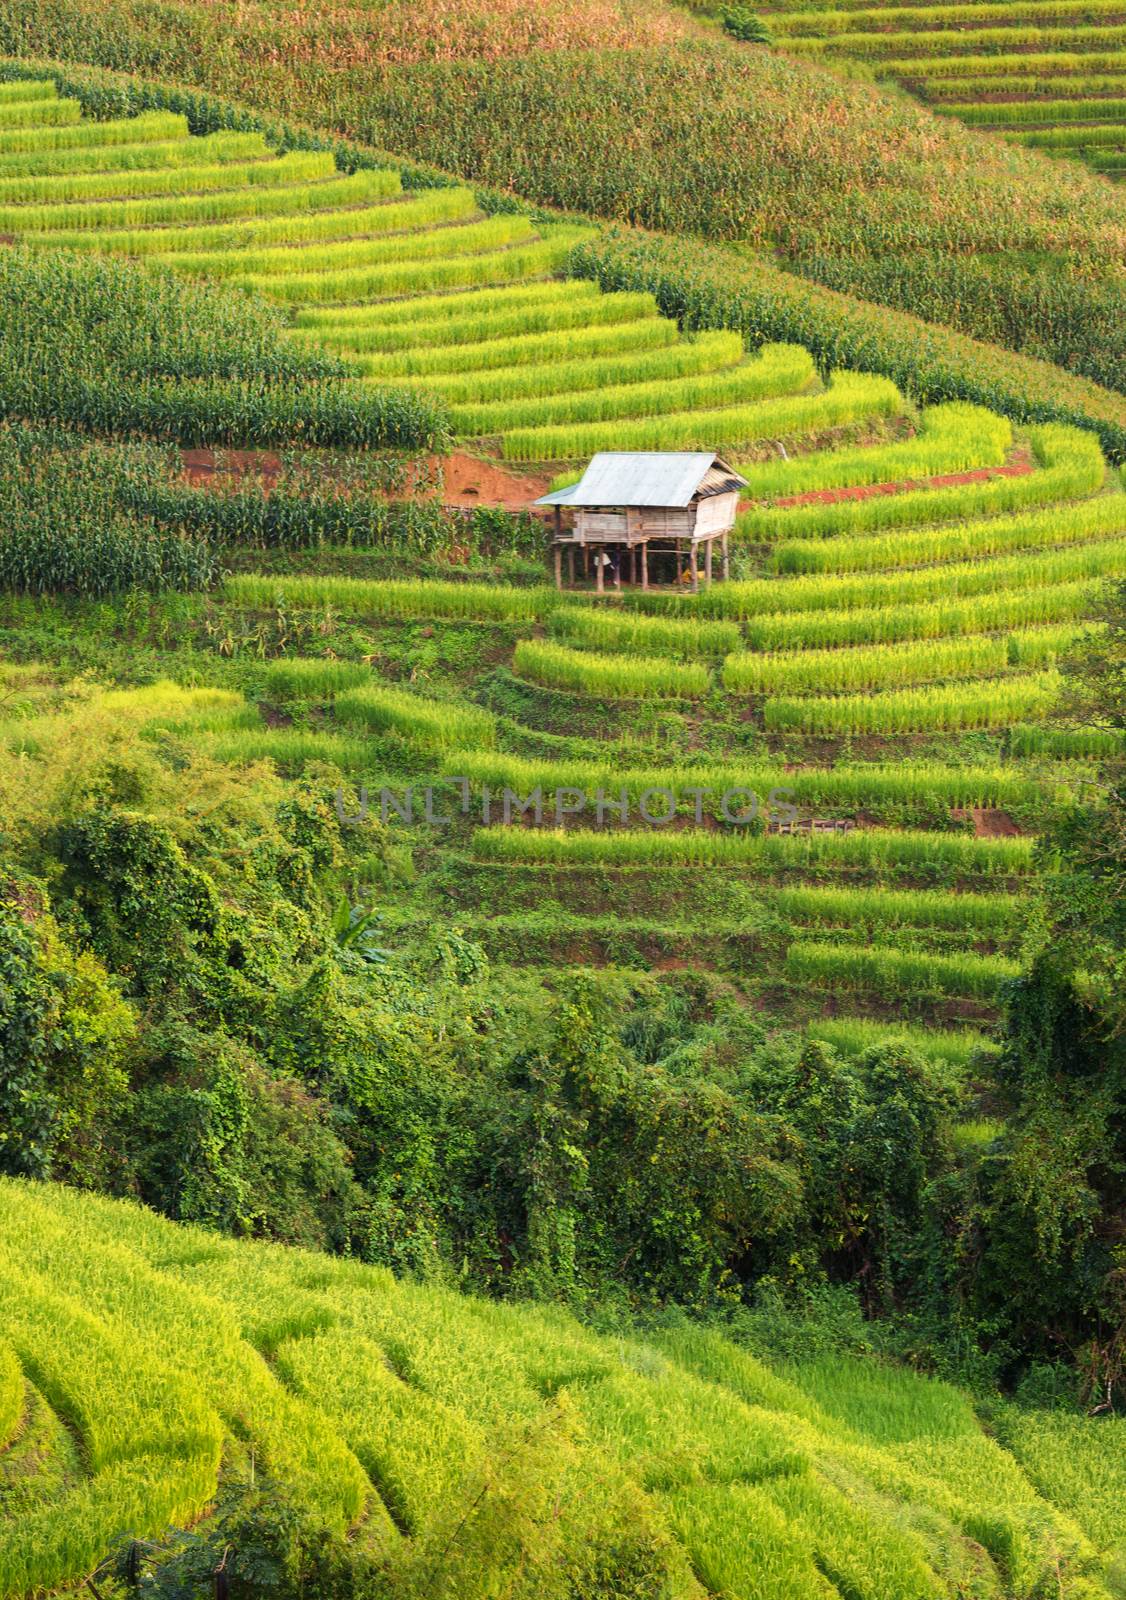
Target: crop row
x=949, y=708
x=643, y=331
x=974, y=42
x=1071, y=138
x=1070, y=461
x=1054, y=64
x=433, y=308
x=1079, y=523
x=926, y=619
x=849, y=397
x=626, y=676
x=281, y=185
x=182, y=166
x=289, y=214
x=854, y=1035
x=824, y=23
x=951, y=438
x=649, y=847
x=777, y=370
x=599, y=628
x=403, y=277
x=1065, y=743
x=506, y=313
x=878, y=666
x=894, y=971
x=672, y=358
x=862, y=786
x=357, y=597
x=997, y=113
x=152, y=126
x=431, y=724
x=854, y=906
x=39, y=113
x=1072, y=86
x=276, y=264
x=960, y=579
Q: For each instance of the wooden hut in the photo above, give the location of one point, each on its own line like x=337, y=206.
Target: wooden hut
x=631, y=504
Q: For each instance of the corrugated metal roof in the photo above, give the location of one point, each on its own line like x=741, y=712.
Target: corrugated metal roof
x=561, y=497
x=720, y=479
x=642, y=478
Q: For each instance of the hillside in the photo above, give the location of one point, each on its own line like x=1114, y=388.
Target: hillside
x=719, y=983
x=843, y=183
x=387, y=1439
x=1047, y=75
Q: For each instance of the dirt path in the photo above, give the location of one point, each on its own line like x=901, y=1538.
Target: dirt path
x=1018, y=467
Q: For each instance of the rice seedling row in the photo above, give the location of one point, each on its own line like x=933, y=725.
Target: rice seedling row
x=950, y=708
x=874, y=968
x=543, y=314
x=630, y=677
x=848, y=398
x=428, y=366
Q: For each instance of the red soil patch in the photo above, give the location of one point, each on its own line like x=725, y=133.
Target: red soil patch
x=468, y=480
x=990, y=824
x=1018, y=467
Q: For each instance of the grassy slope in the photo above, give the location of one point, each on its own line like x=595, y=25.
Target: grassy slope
x=698, y=135
x=453, y=1440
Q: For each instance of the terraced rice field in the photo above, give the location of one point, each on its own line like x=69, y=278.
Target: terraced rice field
x=1048, y=73
x=417, y=290
x=148, y=1371
x=882, y=669
x=640, y=773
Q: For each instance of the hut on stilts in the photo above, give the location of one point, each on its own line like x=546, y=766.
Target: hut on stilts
x=645, y=517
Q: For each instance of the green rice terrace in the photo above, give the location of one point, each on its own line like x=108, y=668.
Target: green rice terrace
x=459, y=1442
x=600, y=1082
x=1049, y=74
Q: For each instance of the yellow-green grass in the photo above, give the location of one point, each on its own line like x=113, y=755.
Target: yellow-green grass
x=869, y=847
x=928, y=619
x=434, y=308
x=852, y=786
x=951, y=438
x=944, y=707
x=28, y=89
x=976, y=42
x=39, y=113
x=777, y=369
x=151, y=125
x=599, y=628
x=1052, y=527
x=643, y=331
x=1006, y=66
x=278, y=192
x=242, y=266
x=433, y=724
x=831, y=1477
x=539, y=314
x=421, y=597
x=403, y=277
x=670, y=359
x=861, y=908
x=888, y=970
x=1009, y=113
x=824, y=22
x=306, y=677
x=1039, y=570
x=855, y=1035
x=129, y=171
x=849, y=397
x=615, y=676
x=866, y=667
x=1071, y=464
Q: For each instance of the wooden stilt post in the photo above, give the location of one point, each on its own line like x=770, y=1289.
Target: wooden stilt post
x=708, y=561
x=571, y=565
x=599, y=580
x=694, y=568
x=559, y=566
x=586, y=561
x=726, y=562
x=645, y=566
